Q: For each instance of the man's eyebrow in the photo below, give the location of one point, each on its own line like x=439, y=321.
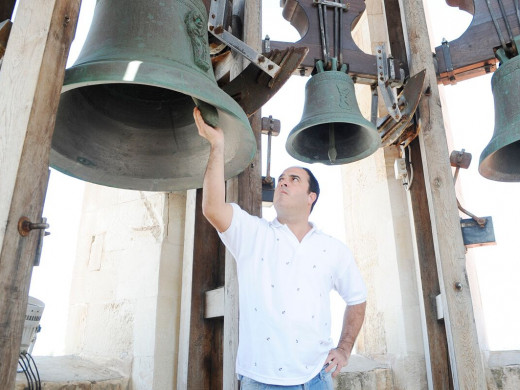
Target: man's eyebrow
x=291, y=176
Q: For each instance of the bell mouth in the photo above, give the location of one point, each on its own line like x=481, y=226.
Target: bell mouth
x=352, y=142
x=501, y=164
x=142, y=136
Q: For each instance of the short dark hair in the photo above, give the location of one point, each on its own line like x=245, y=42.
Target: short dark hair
x=314, y=186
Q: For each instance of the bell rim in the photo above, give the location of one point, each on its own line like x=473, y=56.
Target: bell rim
x=305, y=124
x=485, y=160
x=223, y=103
x=115, y=75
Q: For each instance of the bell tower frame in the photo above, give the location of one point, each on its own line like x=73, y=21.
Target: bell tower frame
x=26, y=131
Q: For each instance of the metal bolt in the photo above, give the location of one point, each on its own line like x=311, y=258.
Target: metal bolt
x=66, y=21
x=25, y=226
x=458, y=286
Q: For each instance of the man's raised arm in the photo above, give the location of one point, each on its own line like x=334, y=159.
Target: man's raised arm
x=214, y=206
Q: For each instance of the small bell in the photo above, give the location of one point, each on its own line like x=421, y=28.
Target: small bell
x=332, y=129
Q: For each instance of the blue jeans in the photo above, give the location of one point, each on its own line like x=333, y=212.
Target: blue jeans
x=322, y=381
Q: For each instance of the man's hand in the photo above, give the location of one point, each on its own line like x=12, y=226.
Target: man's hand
x=215, y=136
x=337, y=358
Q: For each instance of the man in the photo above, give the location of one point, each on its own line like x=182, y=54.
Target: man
x=286, y=269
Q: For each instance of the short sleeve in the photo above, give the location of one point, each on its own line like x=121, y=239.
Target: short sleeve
x=241, y=233
x=349, y=283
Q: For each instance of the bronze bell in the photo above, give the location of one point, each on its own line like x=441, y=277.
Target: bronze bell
x=125, y=115
x=332, y=130
x=500, y=159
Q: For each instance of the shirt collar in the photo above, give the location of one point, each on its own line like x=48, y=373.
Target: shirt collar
x=276, y=224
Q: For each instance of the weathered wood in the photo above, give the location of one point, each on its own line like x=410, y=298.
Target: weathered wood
x=231, y=302
x=465, y=359
x=303, y=15
x=436, y=343
x=472, y=53
x=30, y=85
x=246, y=190
x=187, y=274
x=205, y=352
x=434, y=333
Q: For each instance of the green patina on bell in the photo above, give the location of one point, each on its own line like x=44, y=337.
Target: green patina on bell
x=125, y=115
x=332, y=130
x=500, y=160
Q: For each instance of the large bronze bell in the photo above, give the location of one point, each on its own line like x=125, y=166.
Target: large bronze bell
x=500, y=160
x=125, y=115
x=332, y=130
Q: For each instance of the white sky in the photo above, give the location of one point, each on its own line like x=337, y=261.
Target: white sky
x=471, y=119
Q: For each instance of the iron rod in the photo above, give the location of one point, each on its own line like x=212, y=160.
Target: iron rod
x=517, y=11
x=497, y=27
x=326, y=33
x=322, y=32
x=340, y=57
x=336, y=32
x=508, y=27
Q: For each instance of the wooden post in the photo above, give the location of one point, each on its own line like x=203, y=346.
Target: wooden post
x=206, y=335
x=436, y=343
x=434, y=332
x=247, y=192
x=465, y=357
x=30, y=84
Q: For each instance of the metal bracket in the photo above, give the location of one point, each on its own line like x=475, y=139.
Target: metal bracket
x=439, y=306
x=447, y=60
x=271, y=127
x=383, y=81
x=332, y=4
x=461, y=159
x=395, y=132
x=216, y=27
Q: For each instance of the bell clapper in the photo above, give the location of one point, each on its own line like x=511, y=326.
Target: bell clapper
x=333, y=153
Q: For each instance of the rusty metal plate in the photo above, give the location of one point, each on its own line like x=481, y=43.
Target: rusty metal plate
x=392, y=132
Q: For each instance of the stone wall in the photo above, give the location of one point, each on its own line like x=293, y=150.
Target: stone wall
x=125, y=295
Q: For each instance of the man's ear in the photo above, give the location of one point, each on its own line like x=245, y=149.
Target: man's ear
x=312, y=197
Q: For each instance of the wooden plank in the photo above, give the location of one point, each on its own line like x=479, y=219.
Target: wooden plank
x=187, y=272
x=206, y=335
x=436, y=343
x=246, y=190
x=472, y=53
x=231, y=302
x=30, y=85
x=465, y=360
x=434, y=333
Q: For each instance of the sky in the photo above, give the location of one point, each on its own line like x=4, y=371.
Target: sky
x=469, y=107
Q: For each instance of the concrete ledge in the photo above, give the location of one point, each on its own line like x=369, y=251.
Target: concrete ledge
x=73, y=372
x=363, y=373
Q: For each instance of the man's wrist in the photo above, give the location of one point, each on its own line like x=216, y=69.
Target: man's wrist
x=345, y=347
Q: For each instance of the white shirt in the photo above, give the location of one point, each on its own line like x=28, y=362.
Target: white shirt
x=284, y=285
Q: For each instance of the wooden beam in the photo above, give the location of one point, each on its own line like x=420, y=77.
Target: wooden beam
x=465, y=358
x=206, y=335
x=187, y=274
x=434, y=333
x=436, y=342
x=30, y=85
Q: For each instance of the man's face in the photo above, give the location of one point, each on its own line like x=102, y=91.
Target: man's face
x=292, y=190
